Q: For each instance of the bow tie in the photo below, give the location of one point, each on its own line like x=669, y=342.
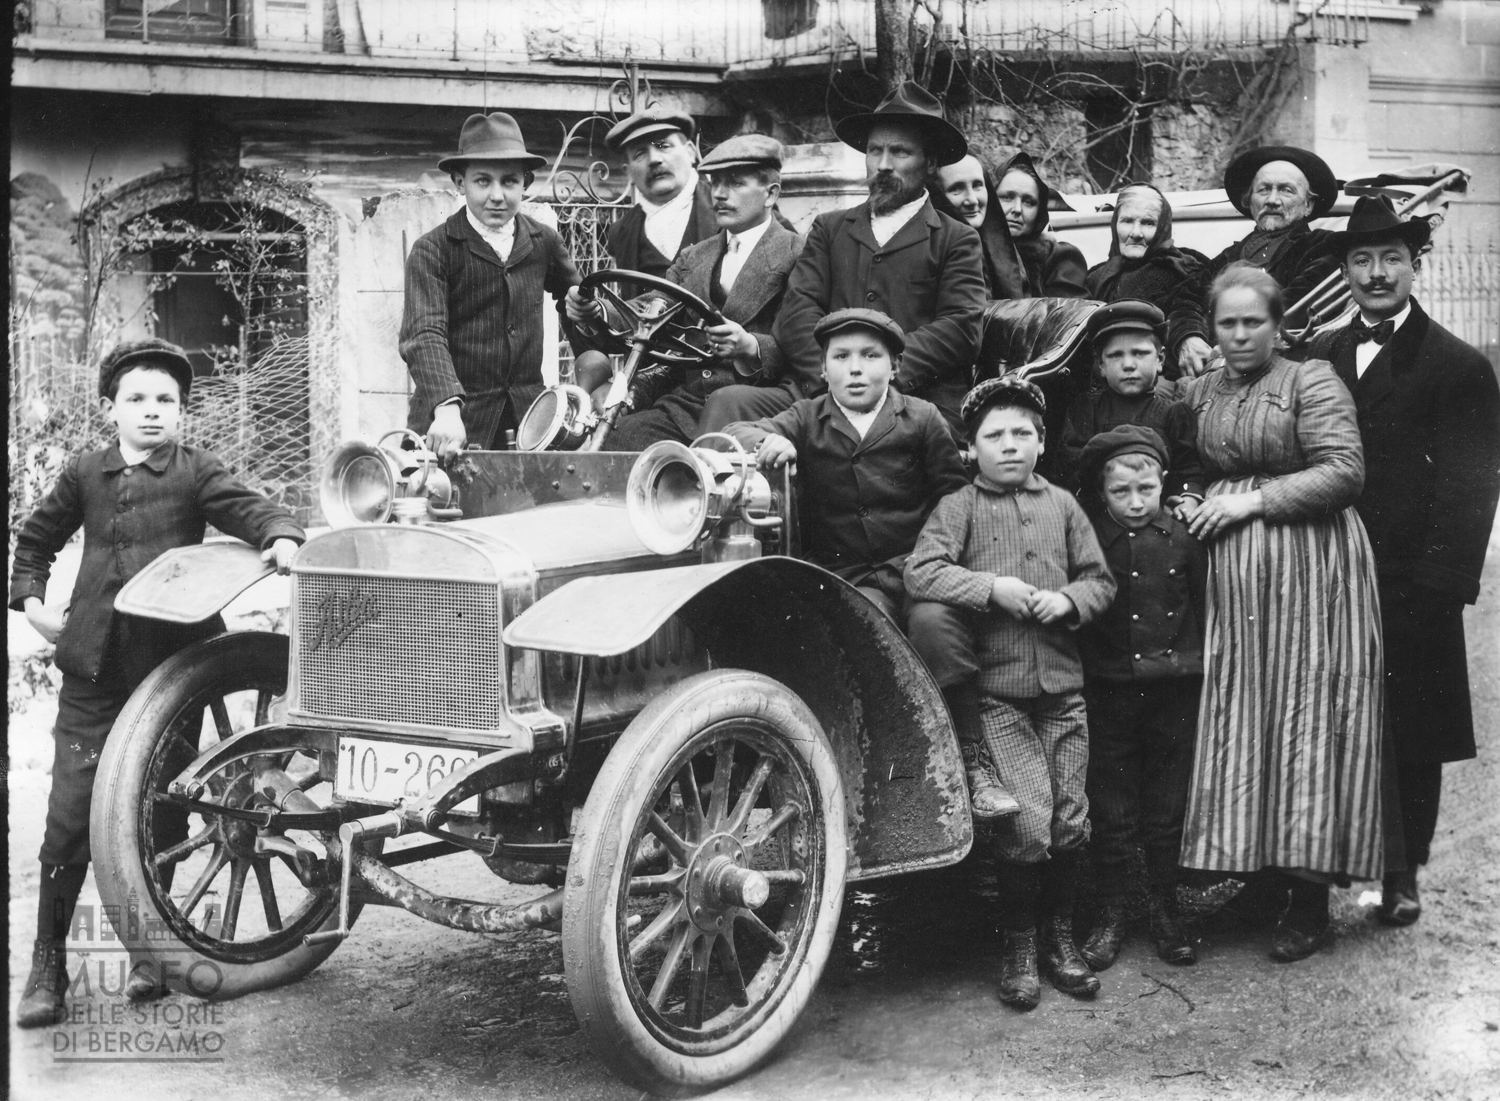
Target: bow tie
x=1378, y=333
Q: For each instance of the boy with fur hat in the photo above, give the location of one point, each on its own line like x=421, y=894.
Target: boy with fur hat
x=141, y=496
x=1143, y=671
x=1020, y=554
x=1127, y=341
x=471, y=330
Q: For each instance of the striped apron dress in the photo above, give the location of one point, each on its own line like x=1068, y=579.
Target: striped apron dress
x=1287, y=767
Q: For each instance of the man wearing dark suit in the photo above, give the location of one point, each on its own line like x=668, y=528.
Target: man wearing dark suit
x=742, y=271
x=893, y=253
x=471, y=330
x=1429, y=418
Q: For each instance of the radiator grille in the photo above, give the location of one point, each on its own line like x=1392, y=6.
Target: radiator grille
x=367, y=647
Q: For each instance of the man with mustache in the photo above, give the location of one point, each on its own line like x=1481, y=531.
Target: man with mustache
x=893, y=253
x=1282, y=188
x=1429, y=418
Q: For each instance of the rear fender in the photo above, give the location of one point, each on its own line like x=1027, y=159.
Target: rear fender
x=189, y=584
x=883, y=713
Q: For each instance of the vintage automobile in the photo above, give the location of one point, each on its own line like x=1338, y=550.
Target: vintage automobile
x=602, y=672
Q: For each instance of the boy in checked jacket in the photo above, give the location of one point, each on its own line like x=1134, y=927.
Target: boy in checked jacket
x=141, y=496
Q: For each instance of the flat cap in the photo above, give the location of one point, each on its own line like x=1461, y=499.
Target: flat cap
x=1125, y=315
x=655, y=119
x=1005, y=390
x=743, y=151
x=859, y=318
x=1127, y=439
x=150, y=352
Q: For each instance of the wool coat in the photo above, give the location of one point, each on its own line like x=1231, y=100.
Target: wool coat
x=1298, y=258
x=929, y=277
x=129, y=516
x=629, y=248
x=472, y=325
x=1429, y=417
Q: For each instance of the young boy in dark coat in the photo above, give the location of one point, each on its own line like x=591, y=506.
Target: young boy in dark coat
x=1019, y=553
x=1127, y=340
x=1143, y=672
x=134, y=500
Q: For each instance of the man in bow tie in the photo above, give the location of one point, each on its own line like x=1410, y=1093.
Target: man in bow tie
x=1429, y=417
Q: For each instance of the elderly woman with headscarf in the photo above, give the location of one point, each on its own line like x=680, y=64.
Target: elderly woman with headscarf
x=964, y=191
x=1052, y=268
x=1145, y=265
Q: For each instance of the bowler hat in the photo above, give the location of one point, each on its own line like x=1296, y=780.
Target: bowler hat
x=653, y=120
x=150, y=352
x=914, y=104
x=858, y=317
x=743, y=151
x=1127, y=439
x=1125, y=315
x=1241, y=174
x=1005, y=390
x=492, y=137
x=1373, y=220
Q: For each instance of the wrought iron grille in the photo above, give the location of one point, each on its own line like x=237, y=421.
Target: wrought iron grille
x=364, y=647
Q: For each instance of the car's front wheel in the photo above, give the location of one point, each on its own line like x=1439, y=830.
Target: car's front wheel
x=705, y=884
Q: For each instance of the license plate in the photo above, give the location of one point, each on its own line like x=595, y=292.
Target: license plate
x=390, y=772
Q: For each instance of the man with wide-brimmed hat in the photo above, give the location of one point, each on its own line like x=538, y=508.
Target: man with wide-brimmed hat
x=1282, y=188
x=471, y=330
x=892, y=253
x=1429, y=418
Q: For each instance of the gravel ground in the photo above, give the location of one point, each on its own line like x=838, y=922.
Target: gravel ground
x=906, y=1008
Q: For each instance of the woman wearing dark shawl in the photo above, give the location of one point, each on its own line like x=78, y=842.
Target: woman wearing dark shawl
x=1144, y=264
x=964, y=192
x=1053, y=268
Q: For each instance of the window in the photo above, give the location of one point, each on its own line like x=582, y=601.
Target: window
x=217, y=21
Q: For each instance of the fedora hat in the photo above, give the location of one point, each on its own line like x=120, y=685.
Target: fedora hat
x=1374, y=219
x=913, y=104
x=1241, y=174
x=492, y=137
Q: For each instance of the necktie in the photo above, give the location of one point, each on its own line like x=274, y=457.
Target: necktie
x=1378, y=333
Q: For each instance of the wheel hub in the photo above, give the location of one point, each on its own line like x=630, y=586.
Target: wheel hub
x=239, y=835
x=719, y=881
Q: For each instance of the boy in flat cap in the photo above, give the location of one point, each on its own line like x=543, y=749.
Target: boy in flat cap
x=742, y=271
x=1127, y=341
x=141, y=496
x=1019, y=554
x=471, y=331
x=1143, y=672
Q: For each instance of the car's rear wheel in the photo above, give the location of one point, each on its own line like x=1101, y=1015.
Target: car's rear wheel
x=705, y=884
x=190, y=891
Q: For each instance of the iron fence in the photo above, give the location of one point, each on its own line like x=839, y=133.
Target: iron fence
x=1459, y=287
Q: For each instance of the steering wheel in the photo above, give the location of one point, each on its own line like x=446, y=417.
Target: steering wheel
x=651, y=326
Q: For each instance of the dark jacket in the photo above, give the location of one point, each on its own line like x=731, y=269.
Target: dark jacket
x=472, y=326
x=629, y=248
x=1171, y=279
x=929, y=277
x=1004, y=274
x=1101, y=410
x=863, y=502
x=1299, y=259
x=1052, y=268
x=1429, y=418
x=129, y=516
x=1154, y=628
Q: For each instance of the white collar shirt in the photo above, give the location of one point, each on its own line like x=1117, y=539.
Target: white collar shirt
x=502, y=240
x=737, y=250
x=885, y=226
x=1366, y=351
x=134, y=456
x=665, y=224
x=862, y=421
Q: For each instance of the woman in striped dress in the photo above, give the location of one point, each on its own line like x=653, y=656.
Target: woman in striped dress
x=1287, y=769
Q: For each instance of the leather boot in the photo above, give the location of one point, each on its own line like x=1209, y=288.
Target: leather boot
x=1172, y=943
x=143, y=984
x=1301, y=930
x=44, y=997
x=1065, y=965
x=1103, y=945
x=1019, y=985
x=1399, y=902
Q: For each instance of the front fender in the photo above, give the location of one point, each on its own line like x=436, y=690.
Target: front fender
x=904, y=787
x=189, y=584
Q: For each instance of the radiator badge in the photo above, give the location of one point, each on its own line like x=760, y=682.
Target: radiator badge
x=339, y=615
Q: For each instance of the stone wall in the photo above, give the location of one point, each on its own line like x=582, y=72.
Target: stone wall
x=1189, y=144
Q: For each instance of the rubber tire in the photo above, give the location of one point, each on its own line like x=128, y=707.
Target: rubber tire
x=245, y=659
x=590, y=947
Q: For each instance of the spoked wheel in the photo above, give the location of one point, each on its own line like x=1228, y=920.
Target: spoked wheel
x=705, y=883
x=219, y=914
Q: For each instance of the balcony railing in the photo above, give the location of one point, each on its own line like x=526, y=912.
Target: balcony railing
x=729, y=34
